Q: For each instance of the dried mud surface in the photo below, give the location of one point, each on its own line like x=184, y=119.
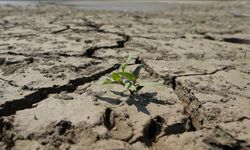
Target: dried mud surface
x=51, y=58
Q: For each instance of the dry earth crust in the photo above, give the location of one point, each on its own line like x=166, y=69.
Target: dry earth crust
x=51, y=58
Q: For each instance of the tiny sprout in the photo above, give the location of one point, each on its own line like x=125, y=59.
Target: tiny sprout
x=129, y=80
x=125, y=78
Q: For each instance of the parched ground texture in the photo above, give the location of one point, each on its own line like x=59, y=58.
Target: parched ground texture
x=51, y=58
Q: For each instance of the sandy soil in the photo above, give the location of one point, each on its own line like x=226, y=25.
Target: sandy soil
x=51, y=58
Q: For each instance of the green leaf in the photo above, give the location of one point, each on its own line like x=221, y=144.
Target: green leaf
x=107, y=80
x=116, y=77
x=123, y=67
x=128, y=75
x=129, y=85
x=137, y=70
x=128, y=59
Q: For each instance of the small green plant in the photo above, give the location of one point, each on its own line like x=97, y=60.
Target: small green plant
x=129, y=80
x=197, y=29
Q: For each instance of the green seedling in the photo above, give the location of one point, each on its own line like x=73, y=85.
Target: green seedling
x=129, y=80
x=197, y=29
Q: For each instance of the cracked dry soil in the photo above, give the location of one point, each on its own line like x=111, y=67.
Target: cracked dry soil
x=51, y=58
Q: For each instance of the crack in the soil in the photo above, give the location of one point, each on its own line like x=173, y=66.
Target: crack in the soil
x=67, y=27
x=192, y=106
x=119, y=44
x=18, y=36
x=97, y=27
x=237, y=119
x=92, y=24
x=171, y=79
x=143, y=37
x=226, y=68
x=219, y=139
x=3, y=61
x=234, y=40
x=188, y=99
x=11, y=107
x=89, y=52
x=10, y=82
x=44, y=55
x=49, y=55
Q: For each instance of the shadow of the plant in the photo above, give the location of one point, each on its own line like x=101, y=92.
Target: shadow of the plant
x=148, y=98
x=140, y=101
x=113, y=101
